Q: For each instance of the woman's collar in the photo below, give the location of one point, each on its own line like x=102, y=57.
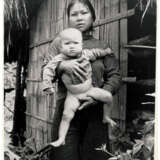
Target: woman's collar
x=87, y=36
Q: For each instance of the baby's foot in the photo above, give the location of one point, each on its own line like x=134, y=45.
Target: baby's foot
x=58, y=143
x=109, y=121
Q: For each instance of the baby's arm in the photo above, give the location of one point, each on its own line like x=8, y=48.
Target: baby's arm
x=93, y=54
x=49, y=72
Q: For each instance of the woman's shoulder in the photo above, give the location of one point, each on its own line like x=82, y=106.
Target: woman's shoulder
x=94, y=43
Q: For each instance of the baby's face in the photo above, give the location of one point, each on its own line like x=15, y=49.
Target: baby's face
x=71, y=45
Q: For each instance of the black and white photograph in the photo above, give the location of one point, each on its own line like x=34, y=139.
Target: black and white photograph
x=79, y=79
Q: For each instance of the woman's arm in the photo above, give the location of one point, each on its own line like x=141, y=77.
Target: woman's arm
x=72, y=67
x=95, y=53
x=112, y=78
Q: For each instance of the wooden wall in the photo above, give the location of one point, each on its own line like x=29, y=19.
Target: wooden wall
x=49, y=20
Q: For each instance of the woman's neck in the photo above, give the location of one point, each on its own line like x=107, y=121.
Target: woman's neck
x=86, y=35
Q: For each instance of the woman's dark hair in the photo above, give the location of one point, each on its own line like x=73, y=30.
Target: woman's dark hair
x=86, y=3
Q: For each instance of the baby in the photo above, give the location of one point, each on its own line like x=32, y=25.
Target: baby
x=70, y=47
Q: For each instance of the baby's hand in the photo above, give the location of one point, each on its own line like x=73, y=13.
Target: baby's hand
x=49, y=91
x=109, y=50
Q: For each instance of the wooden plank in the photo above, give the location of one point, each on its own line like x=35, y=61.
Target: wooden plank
x=43, y=113
x=42, y=134
x=42, y=52
x=33, y=80
x=57, y=10
x=140, y=46
x=44, y=41
x=65, y=16
x=59, y=22
x=107, y=26
x=37, y=125
x=32, y=109
x=114, y=42
x=30, y=91
x=102, y=15
x=96, y=30
x=32, y=30
x=37, y=25
x=50, y=112
x=44, y=106
x=123, y=62
x=38, y=118
x=119, y=16
x=36, y=61
x=114, y=28
x=129, y=79
x=36, y=108
x=38, y=136
x=53, y=21
x=35, y=71
x=33, y=123
x=48, y=33
x=28, y=109
x=141, y=40
x=44, y=20
x=32, y=73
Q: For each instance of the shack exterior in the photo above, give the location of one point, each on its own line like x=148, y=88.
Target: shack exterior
x=50, y=18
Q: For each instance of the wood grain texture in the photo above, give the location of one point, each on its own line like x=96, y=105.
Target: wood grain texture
x=123, y=62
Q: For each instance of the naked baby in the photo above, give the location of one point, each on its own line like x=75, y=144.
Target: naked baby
x=70, y=47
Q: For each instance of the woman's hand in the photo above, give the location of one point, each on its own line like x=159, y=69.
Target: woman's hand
x=73, y=67
x=86, y=102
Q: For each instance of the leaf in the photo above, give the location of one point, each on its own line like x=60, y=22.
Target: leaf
x=104, y=149
x=148, y=127
x=149, y=141
x=137, y=147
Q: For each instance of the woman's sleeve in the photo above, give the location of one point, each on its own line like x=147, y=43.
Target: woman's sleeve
x=95, y=53
x=112, y=78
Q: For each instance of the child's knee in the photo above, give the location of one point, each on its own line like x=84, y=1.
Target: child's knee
x=68, y=115
x=110, y=99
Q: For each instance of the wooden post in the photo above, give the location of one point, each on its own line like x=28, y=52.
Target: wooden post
x=123, y=64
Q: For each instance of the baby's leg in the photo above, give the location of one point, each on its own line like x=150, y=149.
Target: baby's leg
x=107, y=114
x=100, y=95
x=106, y=97
x=70, y=106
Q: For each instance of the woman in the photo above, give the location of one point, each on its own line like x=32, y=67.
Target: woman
x=86, y=131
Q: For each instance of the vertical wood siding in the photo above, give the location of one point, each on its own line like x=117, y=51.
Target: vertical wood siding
x=47, y=22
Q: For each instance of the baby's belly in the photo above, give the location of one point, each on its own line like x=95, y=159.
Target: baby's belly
x=80, y=88
x=73, y=79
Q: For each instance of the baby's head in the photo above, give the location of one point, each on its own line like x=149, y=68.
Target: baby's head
x=70, y=42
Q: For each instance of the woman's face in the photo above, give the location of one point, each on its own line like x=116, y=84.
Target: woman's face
x=80, y=17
